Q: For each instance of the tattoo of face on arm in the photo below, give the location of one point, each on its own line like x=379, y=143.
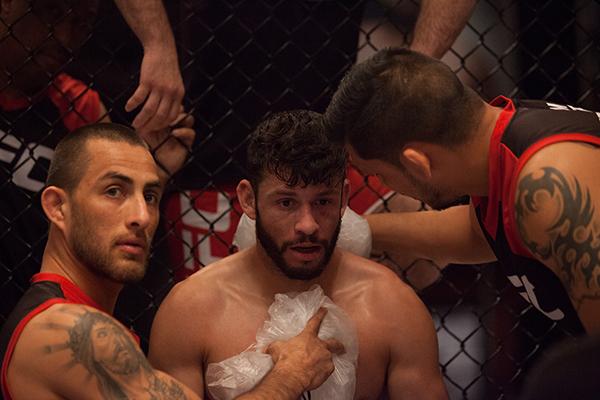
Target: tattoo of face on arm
x=108, y=352
x=557, y=222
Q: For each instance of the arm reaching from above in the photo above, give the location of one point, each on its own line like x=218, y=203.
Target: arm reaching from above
x=161, y=86
x=439, y=24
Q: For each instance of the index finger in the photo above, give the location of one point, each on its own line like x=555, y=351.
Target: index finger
x=314, y=323
x=137, y=98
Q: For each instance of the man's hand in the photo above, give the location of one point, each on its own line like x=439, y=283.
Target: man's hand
x=172, y=145
x=160, y=87
x=305, y=357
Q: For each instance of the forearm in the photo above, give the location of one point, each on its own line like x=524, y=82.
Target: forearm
x=439, y=24
x=441, y=236
x=149, y=22
x=277, y=385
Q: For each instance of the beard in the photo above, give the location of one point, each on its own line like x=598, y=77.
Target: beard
x=88, y=251
x=296, y=272
x=433, y=196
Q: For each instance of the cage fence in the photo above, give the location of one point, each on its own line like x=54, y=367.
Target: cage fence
x=242, y=60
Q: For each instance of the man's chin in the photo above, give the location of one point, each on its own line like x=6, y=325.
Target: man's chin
x=126, y=271
x=302, y=273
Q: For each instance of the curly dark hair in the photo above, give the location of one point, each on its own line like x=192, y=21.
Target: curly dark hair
x=293, y=146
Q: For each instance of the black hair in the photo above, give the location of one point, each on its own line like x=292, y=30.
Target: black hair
x=71, y=156
x=398, y=96
x=292, y=146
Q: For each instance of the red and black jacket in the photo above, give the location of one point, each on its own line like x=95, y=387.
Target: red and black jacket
x=523, y=128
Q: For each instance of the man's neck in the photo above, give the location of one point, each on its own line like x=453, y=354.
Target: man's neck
x=272, y=281
x=474, y=174
x=60, y=261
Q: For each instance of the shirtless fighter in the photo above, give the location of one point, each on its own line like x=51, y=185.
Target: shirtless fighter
x=296, y=192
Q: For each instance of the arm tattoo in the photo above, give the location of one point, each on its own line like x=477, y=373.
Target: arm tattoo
x=109, y=353
x=573, y=240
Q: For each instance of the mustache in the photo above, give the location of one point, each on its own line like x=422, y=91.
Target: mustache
x=304, y=239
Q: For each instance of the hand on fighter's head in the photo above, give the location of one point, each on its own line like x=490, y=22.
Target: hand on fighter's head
x=306, y=357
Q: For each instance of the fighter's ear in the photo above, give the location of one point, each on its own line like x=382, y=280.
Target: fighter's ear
x=54, y=202
x=247, y=198
x=415, y=159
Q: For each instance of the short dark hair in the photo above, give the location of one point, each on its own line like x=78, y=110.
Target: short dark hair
x=292, y=146
x=398, y=96
x=71, y=156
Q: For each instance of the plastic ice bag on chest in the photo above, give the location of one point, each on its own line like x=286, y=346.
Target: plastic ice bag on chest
x=288, y=316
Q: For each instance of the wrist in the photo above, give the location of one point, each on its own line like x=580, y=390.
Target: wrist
x=164, y=46
x=292, y=377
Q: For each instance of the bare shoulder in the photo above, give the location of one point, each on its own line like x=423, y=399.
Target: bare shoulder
x=557, y=189
x=573, y=160
x=365, y=271
x=56, y=330
x=390, y=300
x=203, y=290
x=557, y=198
x=202, y=295
x=66, y=340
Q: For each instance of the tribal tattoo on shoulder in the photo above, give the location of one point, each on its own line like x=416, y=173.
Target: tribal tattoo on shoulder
x=108, y=352
x=572, y=238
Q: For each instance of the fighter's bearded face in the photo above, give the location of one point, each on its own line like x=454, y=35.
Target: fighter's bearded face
x=298, y=226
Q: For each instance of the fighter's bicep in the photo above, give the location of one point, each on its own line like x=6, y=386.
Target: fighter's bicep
x=174, y=344
x=556, y=214
x=413, y=370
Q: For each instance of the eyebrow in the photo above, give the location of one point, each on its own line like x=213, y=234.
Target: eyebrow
x=282, y=192
x=117, y=176
x=126, y=179
x=328, y=192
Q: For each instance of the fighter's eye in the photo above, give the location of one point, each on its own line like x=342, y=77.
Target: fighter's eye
x=285, y=203
x=113, y=192
x=151, y=197
x=324, y=202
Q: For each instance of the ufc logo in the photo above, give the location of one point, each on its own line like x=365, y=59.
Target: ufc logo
x=31, y=153
x=527, y=291
x=561, y=107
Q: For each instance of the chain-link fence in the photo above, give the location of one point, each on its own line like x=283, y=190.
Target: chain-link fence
x=243, y=59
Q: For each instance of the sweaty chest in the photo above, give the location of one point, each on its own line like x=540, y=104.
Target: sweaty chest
x=236, y=330
x=233, y=333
